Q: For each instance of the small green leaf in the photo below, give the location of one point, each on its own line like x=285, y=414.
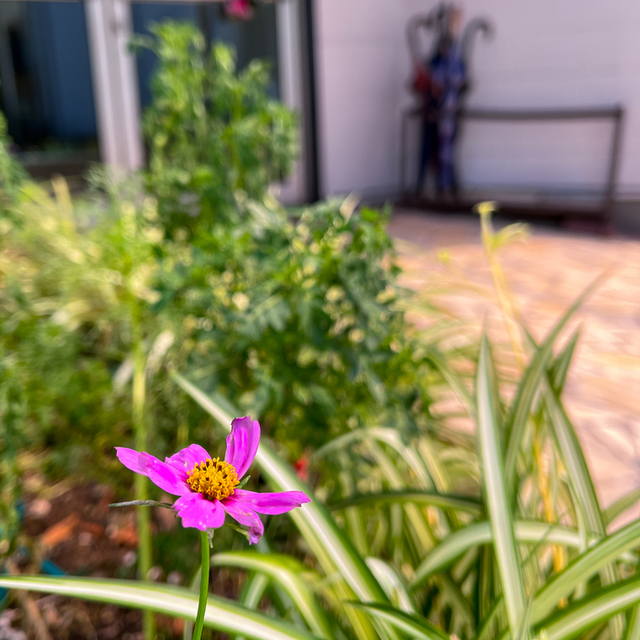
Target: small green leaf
x=143, y=503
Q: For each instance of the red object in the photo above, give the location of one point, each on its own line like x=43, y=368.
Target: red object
x=239, y=9
x=302, y=467
x=421, y=80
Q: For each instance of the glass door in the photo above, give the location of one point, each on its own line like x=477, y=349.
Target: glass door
x=73, y=92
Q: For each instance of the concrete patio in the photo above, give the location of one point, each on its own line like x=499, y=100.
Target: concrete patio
x=546, y=274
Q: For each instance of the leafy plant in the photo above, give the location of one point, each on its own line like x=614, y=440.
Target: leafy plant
x=212, y=132
x=301, y=323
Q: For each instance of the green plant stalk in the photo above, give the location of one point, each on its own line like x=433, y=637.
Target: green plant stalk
x=142, y=482
x=204, y=587
x=505, y=299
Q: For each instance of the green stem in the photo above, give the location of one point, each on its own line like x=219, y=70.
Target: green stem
x=204, y=587
x=142, y=483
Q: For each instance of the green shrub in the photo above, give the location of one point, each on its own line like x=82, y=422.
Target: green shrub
x=299, y=320
x=300, y=324
x=211, y=132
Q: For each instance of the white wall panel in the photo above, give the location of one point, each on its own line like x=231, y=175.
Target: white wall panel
x=545, y=53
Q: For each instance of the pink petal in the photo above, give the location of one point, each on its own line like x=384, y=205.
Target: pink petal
x=241, y=512
x=161, y=474
x=133, y=460
x=187, y=458
x=242, y=444
x=271, y=503
x=198, y=512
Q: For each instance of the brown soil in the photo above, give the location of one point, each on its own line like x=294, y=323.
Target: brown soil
x=83, y=536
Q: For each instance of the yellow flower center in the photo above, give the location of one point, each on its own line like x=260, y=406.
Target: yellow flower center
x=214, y=479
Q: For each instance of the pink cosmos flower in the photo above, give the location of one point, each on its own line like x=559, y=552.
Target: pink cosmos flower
x=208, y=486
x=238, y=9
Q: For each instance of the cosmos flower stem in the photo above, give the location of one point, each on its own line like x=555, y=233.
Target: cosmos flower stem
x=204, y=586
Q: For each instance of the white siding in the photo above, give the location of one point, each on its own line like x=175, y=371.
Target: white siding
x=545, y=53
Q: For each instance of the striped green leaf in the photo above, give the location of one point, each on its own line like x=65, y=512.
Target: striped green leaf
x=498, y=506
x=426, y=467
x=479, y=533
x=431, y=498
x=621, y=505
x=253, y=591
x=411, y=624
x=391, y=437
x=561, y=364
x=221, y=614
x=419, y=528
x=583, y=567
x=578, y=475
x=536, y=371
x=442, y=365
x=573, y=457
x=632, y=630
x=600, y=606
x=393, y=584
x=580, y=481
x=286, y=572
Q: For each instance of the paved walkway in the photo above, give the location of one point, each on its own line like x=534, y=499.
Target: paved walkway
x=546, y=274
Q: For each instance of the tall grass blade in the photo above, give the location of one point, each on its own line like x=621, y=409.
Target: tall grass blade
x=583, y=567
x=430, y=498
x=498, y=505
x=600, y=606
x=480, y=533
x=286, y=572
x=413, y=625
x=221, y=614
x=536, y=371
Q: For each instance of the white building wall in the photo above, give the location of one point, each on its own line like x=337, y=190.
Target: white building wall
x=545, y=53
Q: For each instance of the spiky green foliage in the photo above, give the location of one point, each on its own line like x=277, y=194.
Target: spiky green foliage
x=431, y=568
